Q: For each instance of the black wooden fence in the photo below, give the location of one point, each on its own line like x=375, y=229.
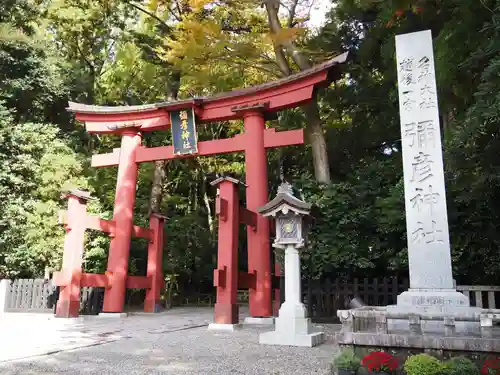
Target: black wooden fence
x=324, y=298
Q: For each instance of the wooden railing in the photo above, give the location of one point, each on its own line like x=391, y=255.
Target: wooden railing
x=481, y=295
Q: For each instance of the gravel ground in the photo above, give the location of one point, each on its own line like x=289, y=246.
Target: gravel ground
x=175, y=343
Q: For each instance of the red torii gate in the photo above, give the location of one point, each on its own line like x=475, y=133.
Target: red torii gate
x=250, y=104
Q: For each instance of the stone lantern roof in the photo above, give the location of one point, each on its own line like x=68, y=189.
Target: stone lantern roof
x=285, y=202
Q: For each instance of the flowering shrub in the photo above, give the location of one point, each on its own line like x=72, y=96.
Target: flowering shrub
x=379, y=362
x=491, y=366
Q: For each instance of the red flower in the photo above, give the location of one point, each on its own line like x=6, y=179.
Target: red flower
x=376, y=361
x=399, y=13
x=491, y=364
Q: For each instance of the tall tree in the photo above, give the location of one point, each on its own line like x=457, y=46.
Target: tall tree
x=284, y=35
x=239, y=36
x=31, y=78
x=86, y=34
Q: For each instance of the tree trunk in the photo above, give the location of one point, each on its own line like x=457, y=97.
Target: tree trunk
x=315, y=136
x=190, y=200
x=206, y=201
x=160, y=165
x=195, y=197
x=157, y=186
x=314, y=129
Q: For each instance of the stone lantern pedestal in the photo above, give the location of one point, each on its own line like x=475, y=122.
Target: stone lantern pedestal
x=293, y=327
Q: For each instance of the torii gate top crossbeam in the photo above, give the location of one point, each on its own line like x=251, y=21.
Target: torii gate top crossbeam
x=273, y=96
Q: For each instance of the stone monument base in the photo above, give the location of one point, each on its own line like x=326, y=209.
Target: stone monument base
x=428, y=300
x=292, y=329
x=369, y=326
x=434, y=301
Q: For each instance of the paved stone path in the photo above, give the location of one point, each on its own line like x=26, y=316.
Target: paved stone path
x=174, y=342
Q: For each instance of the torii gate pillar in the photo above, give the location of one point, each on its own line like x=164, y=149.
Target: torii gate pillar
x=259, y=256
x=123, y=214
x=68, y=305
x=226, y=309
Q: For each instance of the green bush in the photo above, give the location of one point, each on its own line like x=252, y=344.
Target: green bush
x=461, y=366
x=424, y=364
x=347, y=360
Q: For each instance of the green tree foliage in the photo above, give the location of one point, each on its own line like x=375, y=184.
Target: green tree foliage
x=132, y=52
x=367, y=146
x=31, y=81
x=86, y=34
x=35, y=166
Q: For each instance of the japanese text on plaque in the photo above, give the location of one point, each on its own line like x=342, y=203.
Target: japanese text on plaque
x=416, y=80
x=184, y=132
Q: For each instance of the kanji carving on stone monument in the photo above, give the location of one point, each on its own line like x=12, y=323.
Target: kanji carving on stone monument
x=425, y=196
x=420, y=134
x=422, y=167
x=425, y=199
x=428, y=233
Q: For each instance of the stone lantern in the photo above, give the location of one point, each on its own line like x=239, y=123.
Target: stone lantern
x=293, y=327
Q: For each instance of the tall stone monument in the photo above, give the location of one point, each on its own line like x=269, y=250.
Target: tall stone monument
x=431, y=280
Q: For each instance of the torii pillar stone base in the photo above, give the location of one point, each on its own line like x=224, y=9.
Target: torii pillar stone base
x=293, y=327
